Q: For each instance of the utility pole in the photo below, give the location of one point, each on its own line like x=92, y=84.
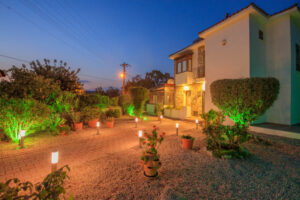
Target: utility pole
x=124, y=65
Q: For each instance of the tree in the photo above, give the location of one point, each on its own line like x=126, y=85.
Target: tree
x=99, y=90
x=151, y=79
x=112, y=92
x=60, y=72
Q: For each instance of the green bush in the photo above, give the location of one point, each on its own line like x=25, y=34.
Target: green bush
x=50, y=188
x=224, y=141
x=114, y=101
x=103, y=101
x=125, y=101
x=88, y=100
x=21, y=114
x=244, y=100
x=90, y=113
x=139, y=97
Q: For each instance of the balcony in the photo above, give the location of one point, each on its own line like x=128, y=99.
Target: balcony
x=184, y=78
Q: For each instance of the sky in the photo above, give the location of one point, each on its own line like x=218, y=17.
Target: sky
x=98, y=35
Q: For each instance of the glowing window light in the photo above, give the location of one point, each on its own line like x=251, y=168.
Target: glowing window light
x=186, y=88
x=54, y=159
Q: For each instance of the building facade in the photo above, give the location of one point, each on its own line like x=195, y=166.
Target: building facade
x=248, y=43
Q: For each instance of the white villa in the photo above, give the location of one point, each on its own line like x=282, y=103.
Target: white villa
x=248, y=43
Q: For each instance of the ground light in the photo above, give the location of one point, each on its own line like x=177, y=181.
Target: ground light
x=161, y=118
x=54, y=160
x=136, y=122
x=177, y=127
x=197, y=122
x=98, y=127
x=22, y=136
x=140, y=138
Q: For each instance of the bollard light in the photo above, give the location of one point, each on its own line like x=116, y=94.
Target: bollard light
x=161, y=117
x=136, y=122
x=22, y=136
x=140, y=137
x=197, y=122
x=177, y=127
x=98, y=126
x=54, y=160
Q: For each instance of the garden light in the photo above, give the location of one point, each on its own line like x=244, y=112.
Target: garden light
x=140, y=137
x=177, y=127
x=136, y=122
x=22, y=136
x=161, y=117
x=197, y=122
x=54, y=160
x=98, y=126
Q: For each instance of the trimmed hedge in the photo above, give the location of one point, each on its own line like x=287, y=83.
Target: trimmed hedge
x=244, y=100
x=139, y=97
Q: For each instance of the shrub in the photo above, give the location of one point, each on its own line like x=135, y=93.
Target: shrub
x=90, y=113
x=139, y=97
x=114, y=101
x=88, y=100
x=50, y=188
x=224, y=141
x=21, y=114
x=117, y=111
x=244, y=100
x=187, y=137
x=110, y=114
x=124, y=102
x=103, y=101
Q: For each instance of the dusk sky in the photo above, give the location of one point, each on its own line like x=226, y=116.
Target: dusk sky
x=97, y=36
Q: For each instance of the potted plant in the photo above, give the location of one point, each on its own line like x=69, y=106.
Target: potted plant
x=187, y=141
x=150, y=157
x=90, y=115
x=75, y=117
x=65, y=129
x=109, y=121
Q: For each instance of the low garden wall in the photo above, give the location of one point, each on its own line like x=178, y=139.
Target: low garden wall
x=176, y=113
x=150, y=109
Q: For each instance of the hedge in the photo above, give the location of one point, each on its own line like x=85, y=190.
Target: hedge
x=244, y=100
x=139, y=97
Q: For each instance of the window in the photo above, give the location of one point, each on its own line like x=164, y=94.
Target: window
x=201, y=62
x=184, y=66
x=261, y=34
x=179, y=67
x=297, y=57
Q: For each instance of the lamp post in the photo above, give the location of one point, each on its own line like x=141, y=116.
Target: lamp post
x=177, y=127
x=54, y=161
x=140, y=137
x=22, y=136
x=98, y=127
x=136, y=122
x=197, y=122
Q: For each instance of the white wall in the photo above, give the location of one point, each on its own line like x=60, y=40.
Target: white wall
x=229, y=61
x=295, y=98
x=278, y=65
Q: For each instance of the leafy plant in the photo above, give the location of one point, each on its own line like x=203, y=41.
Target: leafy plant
x=90, y=113
x=65, y=128
x=86, y=100
x=21, y=114
x=111, y=114
x=139, y=97
x=114, y=101
x=244, y=100
x=75, y=117
x=50, y=188
x=151, y=142
x=187, y=137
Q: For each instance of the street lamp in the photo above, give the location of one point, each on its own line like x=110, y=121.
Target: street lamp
x=54, y=161
x=98, y=127
x=140, y=138
x=177, y=127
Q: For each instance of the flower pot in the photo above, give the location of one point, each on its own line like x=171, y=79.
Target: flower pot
x=150, y=171
x=187, y=143
x=63, y=133
x=78, y=126
x=109, y=124
x=93, y=123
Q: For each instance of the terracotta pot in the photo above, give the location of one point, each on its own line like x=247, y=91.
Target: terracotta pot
x=93, y=123
x=78, y=126
x=150, y=171
x=109, y=124
x=187, y=143
x=63, y=133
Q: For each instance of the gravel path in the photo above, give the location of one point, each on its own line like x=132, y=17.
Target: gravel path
x=108, y=167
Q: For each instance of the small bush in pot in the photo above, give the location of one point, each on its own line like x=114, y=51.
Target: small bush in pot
x=91, y=115
x=187, y=141
x=109, y=121
x=150, y=157
x=65, y=129
x=76, y=120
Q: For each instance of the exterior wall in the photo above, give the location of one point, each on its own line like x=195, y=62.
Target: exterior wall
x=184, y=78
x=278, y=65
x=228, y=61
x=196, y=101
x=295, y=98
x=179, y=96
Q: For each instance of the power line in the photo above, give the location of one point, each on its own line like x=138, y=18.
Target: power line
x=13, y=58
